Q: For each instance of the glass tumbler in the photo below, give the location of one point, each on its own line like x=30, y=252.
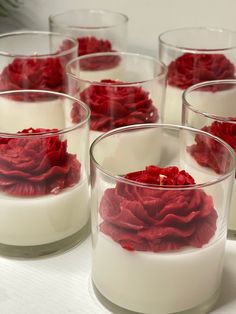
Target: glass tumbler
x=95, y=30
x=121, y=89
x=44, y=193
x=210, y=106
x=158, y=219
x=194, y=55
x=35, y=60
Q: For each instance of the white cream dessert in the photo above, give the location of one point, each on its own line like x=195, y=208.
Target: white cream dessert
x=148, y=249
x=18, y=115
x=44, y=192
x=160, y=283
x=45, y=219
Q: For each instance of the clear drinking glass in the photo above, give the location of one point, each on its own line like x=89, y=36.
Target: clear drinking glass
x=44, y=193
x=158, y=219
x=120, y=89
x=95, y=30
x=35, y=60
x=194, y=55
x=210, y=106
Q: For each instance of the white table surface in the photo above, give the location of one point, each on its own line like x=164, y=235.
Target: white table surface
x=61, y=284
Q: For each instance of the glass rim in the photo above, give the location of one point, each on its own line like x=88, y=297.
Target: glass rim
x=76, y=60
x=46, y=133
x=40, y=33
x=189, y=49
x=53, y=17
x=197, y=86
x=153, y=186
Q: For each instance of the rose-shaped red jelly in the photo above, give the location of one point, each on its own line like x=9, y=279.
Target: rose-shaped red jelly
x=208, y=152
x=33, y=73
x=92, y=44
x=191, y=68
x=147, y=219
x=115, y=106
x=33, y=165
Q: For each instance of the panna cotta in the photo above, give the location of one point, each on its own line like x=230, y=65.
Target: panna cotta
x=44, y=190
x=189, y=69
x=157, y=283
x=150, y=245
x=30, y=221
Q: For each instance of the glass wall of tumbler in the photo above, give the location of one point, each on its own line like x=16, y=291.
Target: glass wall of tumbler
x=158, y=219
x=210, y=106
x=95, y=30
x=44, y=184
x=120, y=88
x=194, y=55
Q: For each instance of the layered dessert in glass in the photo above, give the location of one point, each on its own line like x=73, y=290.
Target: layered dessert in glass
x=194, y=55
x=156, y=228
x=44, y=191
x=133, y=93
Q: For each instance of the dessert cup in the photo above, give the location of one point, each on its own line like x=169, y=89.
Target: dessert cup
x=210, y=106
x=131, y=92
x=158, y=225
x=194, y=55
x=44, y=189
x=33, y=60
x=95, y=30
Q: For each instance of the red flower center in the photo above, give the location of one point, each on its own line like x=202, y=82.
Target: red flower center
x=33, y=165
x=115, y=106
x=190, y=69
x=143, y=218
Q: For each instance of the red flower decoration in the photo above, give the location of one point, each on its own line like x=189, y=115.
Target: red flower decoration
x=115, y=106
x=145, y=219
x=33, y=73
x=89, y=45
x=191, y=68
x=208, y=152
x=36, y=165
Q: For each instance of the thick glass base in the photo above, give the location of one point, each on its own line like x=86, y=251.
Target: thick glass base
x=231, y=234
x=45, y=249
x=203, y=308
